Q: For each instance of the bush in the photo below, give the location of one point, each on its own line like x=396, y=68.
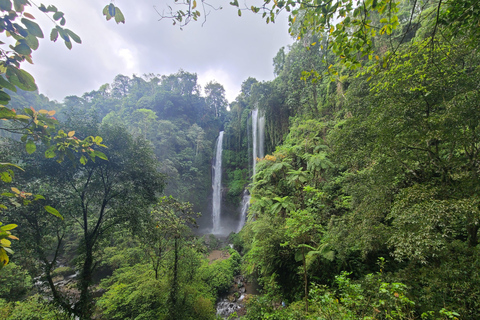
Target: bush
x=133, y=293
x=15, y=282
x=34, y=308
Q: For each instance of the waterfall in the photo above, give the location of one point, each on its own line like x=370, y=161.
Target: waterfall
x=217, y=185
x=261, y=135
x=258, y=137
x=254, y=138
x=258, y=151
x=244, y=209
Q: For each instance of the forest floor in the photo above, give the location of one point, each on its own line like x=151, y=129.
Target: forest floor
x=218, y=255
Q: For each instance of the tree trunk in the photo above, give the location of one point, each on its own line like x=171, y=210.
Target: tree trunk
x=83, y=307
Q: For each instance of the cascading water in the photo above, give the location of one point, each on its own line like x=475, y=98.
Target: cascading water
x=258, y=151
x=261, y=135
x=217, y=185
x=258, y=137
x=244, y=209
x=254, y=138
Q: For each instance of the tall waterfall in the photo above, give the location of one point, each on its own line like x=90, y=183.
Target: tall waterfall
x=244, y=209
x=217, y=185
x=258, y=137
x=258, y=151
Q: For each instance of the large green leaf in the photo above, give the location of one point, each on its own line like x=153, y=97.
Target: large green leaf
x=5, y=177
x=23, y=48
x=4, y=83
x=30, y=147
x=32, y=41
x=9, y=227
x=21, y=79
x=33, y=28
x=5, y=5
x=73, y=36
x=4, y=97
x=101, y=155
x=54, y=34
x=53, y=211
x=6, y=113
x=119, y=17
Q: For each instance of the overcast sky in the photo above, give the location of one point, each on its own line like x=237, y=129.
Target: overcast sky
x=228, y=48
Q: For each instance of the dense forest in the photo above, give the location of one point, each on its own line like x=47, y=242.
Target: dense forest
x=363, y=204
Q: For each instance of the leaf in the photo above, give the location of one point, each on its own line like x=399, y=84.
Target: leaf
x=298, y=256
x=32, y=42
x=26, y=79
x=71, y=134
x=9, y=227
x=15, y=190
x=5, y=84
x=106, y=13
x=4, y=97
x=23, y=49
x=57, y=15
x=53, y=211
x=3, y=257
x=54, y=35
x=73, y=36
x=21, y=78
x=5, y=5
x=18, y=5
x=6, y=113
x=30, y=147
x=111, y=9
x=50, y=152
x=33, y=28
x=11, y=165
x=28, y=15
x=101, y=155
x=5, y=177
x=119, y=17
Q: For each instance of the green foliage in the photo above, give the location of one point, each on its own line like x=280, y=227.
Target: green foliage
x=15, y=283
x=111, y=11
x=5, y=244
x=219, y=274
x=34, y=308
x=133, y=293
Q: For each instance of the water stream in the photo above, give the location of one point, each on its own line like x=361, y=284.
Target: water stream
x=258, y=137
x=217, y=186
x=244, y=209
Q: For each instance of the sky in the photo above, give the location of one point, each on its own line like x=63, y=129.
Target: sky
x=227, y=48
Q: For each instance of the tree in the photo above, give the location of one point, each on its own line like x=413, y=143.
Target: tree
x=173, y=220
x=97, y=198
x=34, y=125
x=39, y=126
x=215, y=96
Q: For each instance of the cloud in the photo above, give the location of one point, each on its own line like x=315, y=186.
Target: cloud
x=129, y=60
x=228, y=49
x=232, y=89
